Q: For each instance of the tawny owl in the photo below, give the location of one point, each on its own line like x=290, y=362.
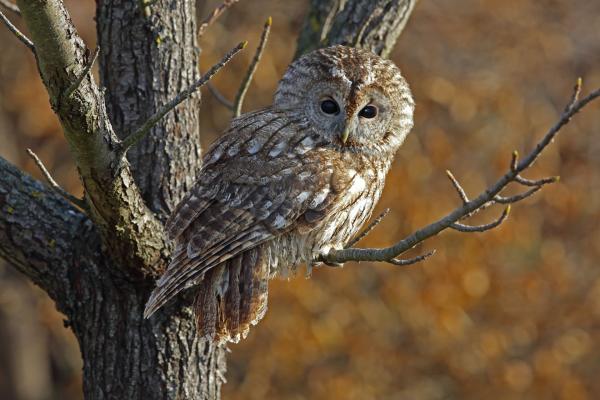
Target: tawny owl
x=285, y=184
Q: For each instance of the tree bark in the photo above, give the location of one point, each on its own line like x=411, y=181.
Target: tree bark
x=100, y=267
x=149, y=56
x=372, y=25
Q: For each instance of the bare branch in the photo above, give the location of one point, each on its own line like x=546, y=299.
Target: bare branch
x=214, y=15
x=126, y=225
x=219, y=96
x=487, y=198
x=518, y=197
x=147, y=126
x=575, y=95
x=17, y=32
x=54, y=185
x=481, y=228
x=86, y=71
x=411, y=261
x=369, y=228
x=239, y=99
x=39, y=231
x=10, y=6
x=539, y=182
x=458, y=187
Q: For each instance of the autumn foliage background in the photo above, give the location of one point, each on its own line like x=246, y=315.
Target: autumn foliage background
x=509, y=314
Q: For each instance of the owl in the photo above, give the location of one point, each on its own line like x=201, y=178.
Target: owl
x=285, y=185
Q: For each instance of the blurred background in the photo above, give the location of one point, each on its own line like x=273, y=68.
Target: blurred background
x=509, y=314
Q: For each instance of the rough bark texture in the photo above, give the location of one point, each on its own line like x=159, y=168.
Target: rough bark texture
x=116, y=207
x=149, y=56
x=99, y=268
x=374, y=25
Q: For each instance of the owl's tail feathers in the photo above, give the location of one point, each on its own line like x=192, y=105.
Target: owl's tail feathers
x=233, y=296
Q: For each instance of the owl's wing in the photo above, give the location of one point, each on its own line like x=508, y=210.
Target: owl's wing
x=244, y=198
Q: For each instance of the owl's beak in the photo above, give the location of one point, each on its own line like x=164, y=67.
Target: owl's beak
x=349, y=126
x=345, y=133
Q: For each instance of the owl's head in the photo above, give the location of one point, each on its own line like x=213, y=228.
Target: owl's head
x=351, y=97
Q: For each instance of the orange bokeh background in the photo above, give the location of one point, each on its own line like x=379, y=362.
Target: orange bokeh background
x=509, y=314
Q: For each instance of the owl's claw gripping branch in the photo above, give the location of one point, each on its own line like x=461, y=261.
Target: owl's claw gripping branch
x=487, y=198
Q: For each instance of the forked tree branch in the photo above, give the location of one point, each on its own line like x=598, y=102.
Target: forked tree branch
x=214, y=15
x=470, y=207
x=132, y=232
x=128, y=228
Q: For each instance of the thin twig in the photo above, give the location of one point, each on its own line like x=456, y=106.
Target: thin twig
x=575, y=95
x=219, y=96
x=239, y=99
x=17, y=32
x=485, y=198
x=54, y=185
x=84, y=73
x=458, y=187
x=518, y=197
x=145, y=128
x=539, y=182
x=481, y=228
x=411, y=261
x=214, y=15
x=10, y=6
x=369, y=228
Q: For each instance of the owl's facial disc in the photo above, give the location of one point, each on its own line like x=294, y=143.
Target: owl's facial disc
x=347, y=115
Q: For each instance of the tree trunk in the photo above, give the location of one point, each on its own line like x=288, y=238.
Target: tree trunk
x=100, y=266
x=149, y=56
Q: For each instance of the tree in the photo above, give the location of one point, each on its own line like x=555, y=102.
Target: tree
x=99, y=258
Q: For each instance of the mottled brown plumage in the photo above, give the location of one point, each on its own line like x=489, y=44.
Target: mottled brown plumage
x=285, y=184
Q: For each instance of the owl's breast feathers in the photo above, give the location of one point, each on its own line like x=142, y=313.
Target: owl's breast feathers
x=268, y=176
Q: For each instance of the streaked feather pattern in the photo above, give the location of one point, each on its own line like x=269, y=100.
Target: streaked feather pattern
x=279, y=187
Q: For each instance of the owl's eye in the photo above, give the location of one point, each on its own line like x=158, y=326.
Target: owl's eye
x=369, y=111
x=329, y=106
